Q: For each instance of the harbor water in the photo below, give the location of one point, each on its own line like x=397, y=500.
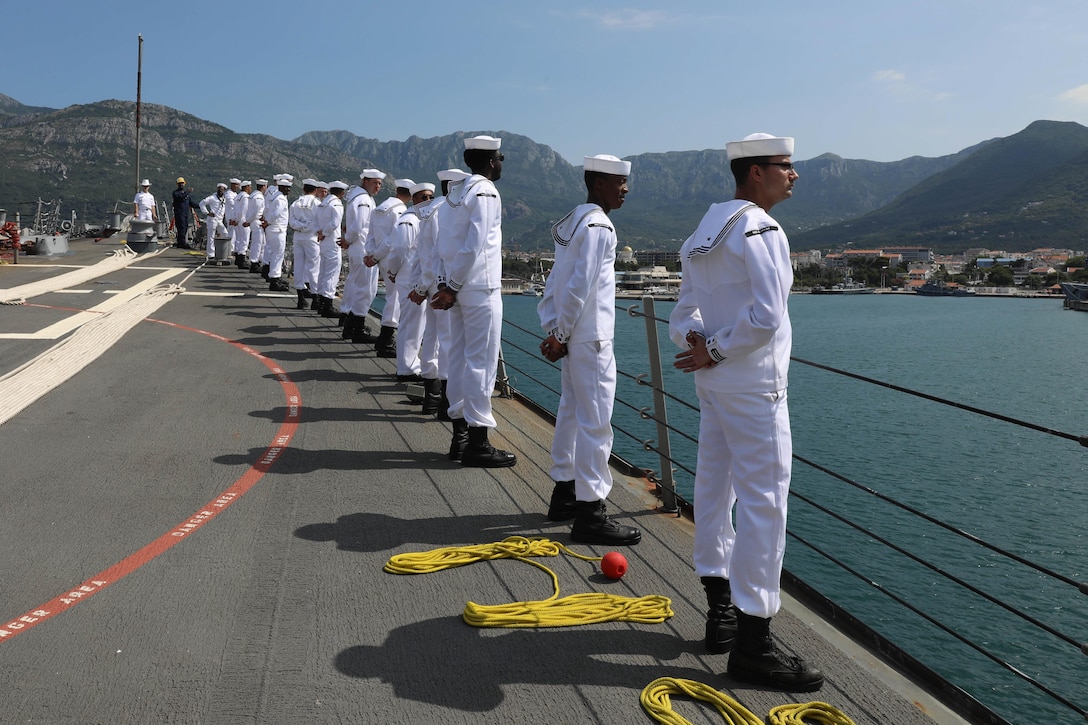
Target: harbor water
x=1019, y=490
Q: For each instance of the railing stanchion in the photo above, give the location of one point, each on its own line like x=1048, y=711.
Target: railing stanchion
x=667, y=486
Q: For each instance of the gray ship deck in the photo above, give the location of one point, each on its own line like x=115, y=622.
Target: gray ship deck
x=155, y=572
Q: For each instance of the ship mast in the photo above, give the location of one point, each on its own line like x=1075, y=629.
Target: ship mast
x=139, y=74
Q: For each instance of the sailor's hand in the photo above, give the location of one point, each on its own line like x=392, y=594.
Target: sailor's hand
x=369, y=261
x=552, y=349
x=416, y=298
x=695, y=358
x=443, y=299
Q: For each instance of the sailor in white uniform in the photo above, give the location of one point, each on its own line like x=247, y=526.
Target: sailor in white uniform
x=275, y=223
x=471, y=258
x=378, y=245
x=410, y=325
x=229, y=216
x=361, y=284
x=252, y=224
x=578, y=314
x=213, y=207
x=733, y=323
x=303, y=221
x=330, y=216
x=143, y=205
x=239, y=230
x=423, y=280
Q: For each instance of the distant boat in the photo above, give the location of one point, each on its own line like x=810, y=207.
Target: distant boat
x=532, y=290
x=846, y=287
x=1076, y=295
x=942, y=289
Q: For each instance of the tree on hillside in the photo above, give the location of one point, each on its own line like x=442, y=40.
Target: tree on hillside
x=999, y=276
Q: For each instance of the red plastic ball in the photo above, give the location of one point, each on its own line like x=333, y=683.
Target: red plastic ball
x=614, y=565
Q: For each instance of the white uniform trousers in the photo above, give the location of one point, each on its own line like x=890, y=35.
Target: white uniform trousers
x=306, y=261
x=329, y=261
x=361, y=284
x=409, y=333
x=391, y=311
x=215, y=230
x=435, y=344
x=475, y=334
x=239, y=236
x=745, y=451
x=583, y=424
x=256, y=243
x=275, y=244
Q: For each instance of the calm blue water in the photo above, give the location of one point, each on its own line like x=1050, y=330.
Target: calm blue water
x=1018, y=489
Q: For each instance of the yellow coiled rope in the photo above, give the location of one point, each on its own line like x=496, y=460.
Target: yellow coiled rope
x=808, y=712
x=588, y=608
x=656, y=702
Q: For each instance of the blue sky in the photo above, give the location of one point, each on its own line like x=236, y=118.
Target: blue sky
x=862, y=79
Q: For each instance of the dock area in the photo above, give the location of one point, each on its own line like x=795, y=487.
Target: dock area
x=195, y=526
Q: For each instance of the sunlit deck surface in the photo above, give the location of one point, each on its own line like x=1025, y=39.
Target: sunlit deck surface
x=276, y=609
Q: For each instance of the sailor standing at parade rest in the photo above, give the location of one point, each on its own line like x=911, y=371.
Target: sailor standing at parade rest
x=276, y=218
x=213, y=208
x=471, y=259
x=578, y=313
x=238, y=226
x=410, y=324
x=252, y=223
x=361, y=285
x=143, y=205
x=330, y=214
x=378, y=245
x=423, y=280
x=732, y=322
x=304, y=242
x=228, y=213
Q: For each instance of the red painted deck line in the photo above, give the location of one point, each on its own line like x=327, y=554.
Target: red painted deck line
x=71, y=597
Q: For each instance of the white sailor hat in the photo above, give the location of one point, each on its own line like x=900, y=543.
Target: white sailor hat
x=321, y=184
x=423, y=186
x=281, y=177
x=261, y=182
x=284, y=181
x=486, y=143
x=759, y=144
x=452, y=175
x=309, y=182
x=247, y=182
x=220, y=185
x=235, y=181
x=337, y=185
x=371, y=174
x=403, y=183
x=605, y=164
x=145, y=182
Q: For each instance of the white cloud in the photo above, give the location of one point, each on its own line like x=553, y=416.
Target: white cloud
x=1076, y=95
x=889, y=76
x=628, y=19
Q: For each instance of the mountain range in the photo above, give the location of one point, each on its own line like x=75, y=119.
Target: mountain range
x=1015, y=193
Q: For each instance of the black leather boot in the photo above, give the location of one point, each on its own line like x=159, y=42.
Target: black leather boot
x=444, y=404
x=432, y=395
x=240, y=261
x=481, y=454
x=721, y=615
x=275, y=284
x=593, y=526
x=386, y=346
x=459, y=440
x=254, y=267
x=362, y=336
x=757, y=661
x=328, y=311
x=265, y=268
x=562, y=506
x=301, y=300
x=315, y=302
x=351, y=322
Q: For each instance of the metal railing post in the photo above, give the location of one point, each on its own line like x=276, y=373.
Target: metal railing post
x=668, y=484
